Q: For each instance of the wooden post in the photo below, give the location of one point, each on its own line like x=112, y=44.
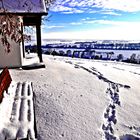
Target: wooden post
x=38, y=34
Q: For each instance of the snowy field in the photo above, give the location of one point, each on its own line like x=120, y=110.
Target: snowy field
x=81, y=99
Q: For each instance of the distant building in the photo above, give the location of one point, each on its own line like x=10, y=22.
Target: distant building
x=30, y=13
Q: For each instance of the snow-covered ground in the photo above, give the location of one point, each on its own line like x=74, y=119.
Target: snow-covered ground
x=81, y=99
x=17, y=112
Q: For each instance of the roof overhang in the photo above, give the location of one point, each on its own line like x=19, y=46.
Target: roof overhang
x=24, y=13
x=23, y=6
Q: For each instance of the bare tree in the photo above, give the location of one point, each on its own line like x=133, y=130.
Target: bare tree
x=49, y=3
x=120, y=57
x=138, y=59
x=133, y=58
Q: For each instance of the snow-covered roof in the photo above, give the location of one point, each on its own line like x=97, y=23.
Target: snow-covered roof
x=23, y=6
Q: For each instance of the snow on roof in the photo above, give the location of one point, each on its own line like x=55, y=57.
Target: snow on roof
x=23, y=6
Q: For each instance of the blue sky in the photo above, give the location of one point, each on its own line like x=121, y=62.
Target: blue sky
x=93, y=19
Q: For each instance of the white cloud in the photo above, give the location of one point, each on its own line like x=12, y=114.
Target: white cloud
x=109, y=22
x=73, y=3
x=60, y=8
x=92, y=11
x=54, y=26
x=76, y=23
x=122, y=5
x=81, y=3
x=77, y=11
x=87, y=18
x=68, y=12
x=92, y=21
x=124, y=31
x=111, y=13
x=65, y=9
x=118, y=23
x=73, y=10
x=64, y=1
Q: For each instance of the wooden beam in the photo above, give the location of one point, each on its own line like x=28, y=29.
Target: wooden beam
x=31, y=20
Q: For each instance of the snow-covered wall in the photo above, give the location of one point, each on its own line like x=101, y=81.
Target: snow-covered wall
x=13, y=58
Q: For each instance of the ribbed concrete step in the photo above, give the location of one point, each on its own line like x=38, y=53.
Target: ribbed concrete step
x=17, y=115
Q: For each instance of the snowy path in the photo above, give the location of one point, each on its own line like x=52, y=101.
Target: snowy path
x=110, y=118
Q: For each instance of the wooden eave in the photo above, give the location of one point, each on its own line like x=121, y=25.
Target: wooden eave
x=24, y=13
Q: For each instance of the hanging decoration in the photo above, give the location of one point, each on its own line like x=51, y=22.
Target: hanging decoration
x=10, y=29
